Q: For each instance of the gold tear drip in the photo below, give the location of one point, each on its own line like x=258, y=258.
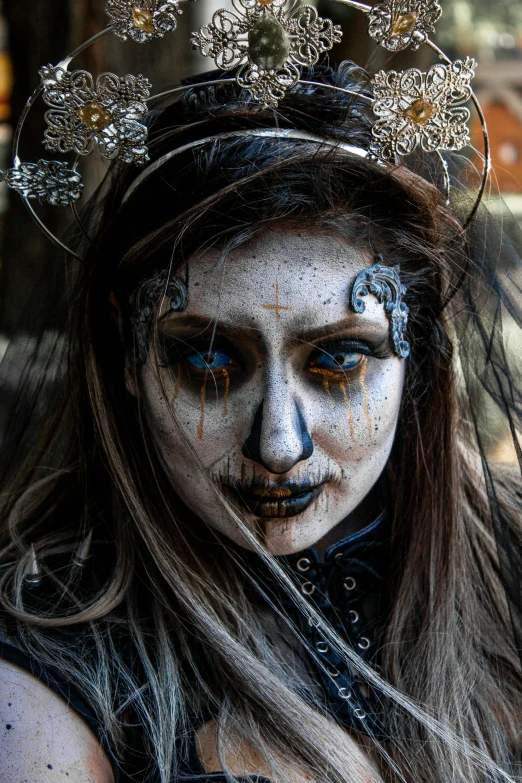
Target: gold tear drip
x=178, y=385
x=366, y=398
x=326, y=386
x=348, y=408
x=202, y=414
x=227, y=388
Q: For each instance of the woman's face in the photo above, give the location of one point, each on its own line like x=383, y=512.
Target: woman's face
x=272, y=387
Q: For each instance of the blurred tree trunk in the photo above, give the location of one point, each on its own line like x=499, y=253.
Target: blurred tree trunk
x=38, y=34
x=44, y=32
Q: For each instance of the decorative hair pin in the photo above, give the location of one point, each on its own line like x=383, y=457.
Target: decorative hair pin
x=261, y=45
x=144, y=300
x=385, y=284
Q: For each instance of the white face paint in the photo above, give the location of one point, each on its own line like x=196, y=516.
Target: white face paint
x=292, y=413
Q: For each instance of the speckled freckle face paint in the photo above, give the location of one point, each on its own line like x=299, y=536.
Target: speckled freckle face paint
x=292, y=412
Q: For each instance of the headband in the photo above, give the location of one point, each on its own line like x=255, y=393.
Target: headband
x=268, y=133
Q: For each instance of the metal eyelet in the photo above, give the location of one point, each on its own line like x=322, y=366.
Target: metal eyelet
x=322, y=647
x=333, y=673
x=303, y=564
x=363, y=643
x=339, y=556
x=359, y=714
x=344, y=693
x=307, y=588
x=354, y=617
x=350, y=583
x=314, y=622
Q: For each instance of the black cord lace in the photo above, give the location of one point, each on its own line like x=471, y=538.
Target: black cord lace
x=347, y=588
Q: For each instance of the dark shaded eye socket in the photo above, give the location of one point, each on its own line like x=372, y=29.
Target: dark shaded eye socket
x=339, y=360
x=196, y=353
x=212, y=360
x=339, y=356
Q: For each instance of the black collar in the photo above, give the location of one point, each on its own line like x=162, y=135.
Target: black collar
x=347, y=589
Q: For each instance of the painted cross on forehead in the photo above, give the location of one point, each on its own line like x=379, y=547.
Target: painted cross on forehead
x=276, y=307
x=384, y=283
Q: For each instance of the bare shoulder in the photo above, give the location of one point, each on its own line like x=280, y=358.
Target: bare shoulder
x=42, y=740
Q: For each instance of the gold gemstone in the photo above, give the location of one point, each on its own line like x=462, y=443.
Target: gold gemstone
x=421, y=111
x=265, y=2
x=143, y=19
x=405, y=23
x=95, y=116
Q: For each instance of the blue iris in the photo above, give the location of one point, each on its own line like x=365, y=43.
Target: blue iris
x=338, y=360
x=213, y=360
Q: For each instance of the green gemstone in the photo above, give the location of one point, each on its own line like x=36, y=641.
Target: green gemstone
x=268, y=44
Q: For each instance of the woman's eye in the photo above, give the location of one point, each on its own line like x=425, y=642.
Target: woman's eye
x=337, y=361
x=211, y=360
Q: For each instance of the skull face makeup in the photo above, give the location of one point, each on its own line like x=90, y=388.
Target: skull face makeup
x=291, y=408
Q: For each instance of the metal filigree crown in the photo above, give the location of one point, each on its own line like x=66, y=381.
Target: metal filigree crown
x=261, y=45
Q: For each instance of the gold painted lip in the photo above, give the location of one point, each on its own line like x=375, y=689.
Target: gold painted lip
x=276, y=492
x=292, y=504
x=278, y=502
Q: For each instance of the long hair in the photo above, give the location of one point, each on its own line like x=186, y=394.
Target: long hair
x=169, y=622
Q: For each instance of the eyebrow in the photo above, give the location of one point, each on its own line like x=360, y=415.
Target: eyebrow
x=370, y=325
x=203, y=323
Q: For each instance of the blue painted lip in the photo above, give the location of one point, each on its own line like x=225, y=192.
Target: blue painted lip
x=280, y=502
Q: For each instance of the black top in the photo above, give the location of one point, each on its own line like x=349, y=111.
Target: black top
x=346, y=586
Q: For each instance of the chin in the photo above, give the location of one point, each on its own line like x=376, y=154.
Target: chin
x=285, y=517
x=285, y=536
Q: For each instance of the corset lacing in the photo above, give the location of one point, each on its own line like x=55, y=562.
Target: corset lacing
x=347, y=588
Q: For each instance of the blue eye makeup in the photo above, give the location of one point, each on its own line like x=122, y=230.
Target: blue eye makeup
x=340, y=360
x=197, y=356
x=212, y=360
x=339, y=357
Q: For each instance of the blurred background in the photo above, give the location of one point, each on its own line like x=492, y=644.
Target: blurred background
x=36, y=32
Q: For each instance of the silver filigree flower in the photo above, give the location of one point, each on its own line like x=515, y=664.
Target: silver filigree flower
x=397, y=24
x=426, y=109
x=49, y=181
x=107, y=114
x=142, y=20
x=267, y=40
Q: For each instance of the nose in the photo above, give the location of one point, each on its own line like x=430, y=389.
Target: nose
x=279, y=437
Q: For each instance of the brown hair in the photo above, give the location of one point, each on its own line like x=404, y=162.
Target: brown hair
x=451, y=680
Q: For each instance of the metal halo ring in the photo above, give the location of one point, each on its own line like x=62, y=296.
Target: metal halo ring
x=366, y=9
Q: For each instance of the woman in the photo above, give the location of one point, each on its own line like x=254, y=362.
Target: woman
x=257, y=535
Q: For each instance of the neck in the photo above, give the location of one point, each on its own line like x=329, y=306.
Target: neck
x=362, y=516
